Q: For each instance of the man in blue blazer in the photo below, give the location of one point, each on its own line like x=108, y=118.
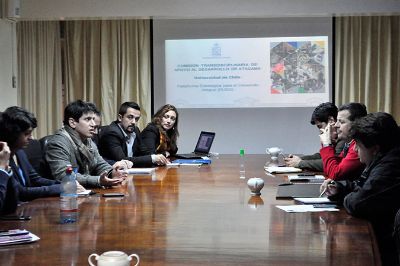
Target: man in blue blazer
x=16, y=126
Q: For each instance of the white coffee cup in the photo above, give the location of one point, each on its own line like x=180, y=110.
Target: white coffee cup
x=274, y=152
x=255, y=185
x=113, y=258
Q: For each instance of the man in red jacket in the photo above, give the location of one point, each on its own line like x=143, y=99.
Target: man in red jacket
x=347, y=165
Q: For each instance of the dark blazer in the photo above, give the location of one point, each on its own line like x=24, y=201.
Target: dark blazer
x=112, y=146
x=8, y=194
x=151, y=138
x=35, y=185
x=375, y=196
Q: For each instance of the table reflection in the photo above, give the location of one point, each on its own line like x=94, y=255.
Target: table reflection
x=192, y=216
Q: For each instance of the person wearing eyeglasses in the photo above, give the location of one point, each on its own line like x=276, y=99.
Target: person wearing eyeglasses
x=121, y=140
x=160, y=136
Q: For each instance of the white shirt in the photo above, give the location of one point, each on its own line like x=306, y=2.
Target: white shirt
x=130, y=139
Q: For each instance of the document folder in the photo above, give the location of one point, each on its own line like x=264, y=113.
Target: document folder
x=298, y=190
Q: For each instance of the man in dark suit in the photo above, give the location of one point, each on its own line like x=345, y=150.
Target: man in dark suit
x=16, y=126
x=121, y=139
x=323, y=115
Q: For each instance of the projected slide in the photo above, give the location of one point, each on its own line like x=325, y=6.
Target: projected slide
x=247, y=72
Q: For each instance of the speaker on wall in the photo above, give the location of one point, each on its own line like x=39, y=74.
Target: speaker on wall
x=12, y=9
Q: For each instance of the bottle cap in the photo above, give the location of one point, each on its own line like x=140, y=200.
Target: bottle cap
x=69, y=169
x=241, y=152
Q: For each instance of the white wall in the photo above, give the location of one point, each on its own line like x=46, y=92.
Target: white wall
x=8, y=94
x=253, y=129
x=55, y=9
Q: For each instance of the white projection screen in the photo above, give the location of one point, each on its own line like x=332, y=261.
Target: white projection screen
x=254, y=82
x=267, y=72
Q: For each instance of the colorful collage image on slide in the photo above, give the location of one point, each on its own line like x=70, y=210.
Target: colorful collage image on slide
x=297, y=67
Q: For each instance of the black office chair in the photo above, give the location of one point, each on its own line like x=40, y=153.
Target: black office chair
x=396, y=233
x=44, y=166
x=35, y=152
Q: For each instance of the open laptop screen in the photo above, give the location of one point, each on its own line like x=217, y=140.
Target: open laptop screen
x=204, y=143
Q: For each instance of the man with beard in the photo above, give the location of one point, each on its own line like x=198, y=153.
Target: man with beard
x=121, y=139
x=347, y=165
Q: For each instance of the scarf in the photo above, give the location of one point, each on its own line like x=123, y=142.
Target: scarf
x=165, y=142
x=84, y=147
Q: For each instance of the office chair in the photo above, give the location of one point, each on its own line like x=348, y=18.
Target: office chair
x=34, y=152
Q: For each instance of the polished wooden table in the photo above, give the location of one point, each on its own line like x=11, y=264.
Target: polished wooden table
x=193, y=216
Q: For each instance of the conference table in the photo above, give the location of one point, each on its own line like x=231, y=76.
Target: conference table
x=191, y=215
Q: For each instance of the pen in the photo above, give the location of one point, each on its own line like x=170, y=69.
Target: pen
x=15, y=218
x=323, y=191
x=329, y=183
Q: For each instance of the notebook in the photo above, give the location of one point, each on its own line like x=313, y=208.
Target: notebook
x=297, y=190
x=282, y=169
x=202, y=148
x=306, y=178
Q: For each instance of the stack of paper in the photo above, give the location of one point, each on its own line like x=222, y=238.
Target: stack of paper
x=305, y=208
x=313, y=200
x=282, y=169
x=17, y=236
x=86, y=192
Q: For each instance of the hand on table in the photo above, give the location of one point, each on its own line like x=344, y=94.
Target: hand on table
x=160, y=159
x=117, y=178
x=292, y=160
x=123, y=165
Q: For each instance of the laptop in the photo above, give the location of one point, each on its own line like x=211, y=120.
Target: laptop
x=203, y=146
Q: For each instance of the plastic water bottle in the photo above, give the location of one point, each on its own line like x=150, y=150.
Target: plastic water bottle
x=242, y=164
x=69, y=197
